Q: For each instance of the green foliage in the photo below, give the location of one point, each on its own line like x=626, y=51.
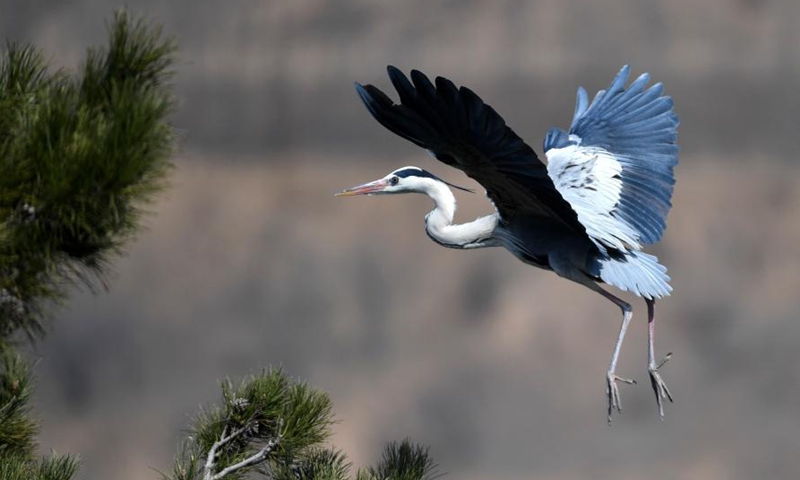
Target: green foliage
x=79, y=159
x=403, y=461
x=264, y=409
x=317, y=464
x=288, y=422
x=17, y=429
x=54, y=467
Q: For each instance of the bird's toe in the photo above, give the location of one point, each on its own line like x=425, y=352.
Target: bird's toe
x=612, y=392
x=659, y=387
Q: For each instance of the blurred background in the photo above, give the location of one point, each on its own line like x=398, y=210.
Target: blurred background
x=249, y=261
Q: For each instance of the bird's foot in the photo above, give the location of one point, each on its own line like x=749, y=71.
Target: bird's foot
x=659, y=387
x=612, y=391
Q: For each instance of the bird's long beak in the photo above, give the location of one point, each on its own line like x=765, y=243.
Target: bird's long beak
x=365, y=189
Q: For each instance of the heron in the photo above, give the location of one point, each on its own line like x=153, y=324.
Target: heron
x=586, y=214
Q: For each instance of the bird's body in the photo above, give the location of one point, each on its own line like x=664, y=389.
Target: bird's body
x=586, y=215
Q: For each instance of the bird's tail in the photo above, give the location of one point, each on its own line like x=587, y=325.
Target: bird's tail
x=637, y=272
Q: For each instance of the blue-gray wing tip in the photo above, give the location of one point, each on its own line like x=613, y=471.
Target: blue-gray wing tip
x=581, y=102
x=620, y=80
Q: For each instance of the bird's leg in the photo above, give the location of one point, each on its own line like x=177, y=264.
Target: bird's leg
x=659, y=387
x=566, y=270
x=612, y=389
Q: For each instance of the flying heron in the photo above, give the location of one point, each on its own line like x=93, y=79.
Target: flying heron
x=586, y=214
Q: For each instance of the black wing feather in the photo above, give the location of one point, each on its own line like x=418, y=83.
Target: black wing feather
x=463, y=132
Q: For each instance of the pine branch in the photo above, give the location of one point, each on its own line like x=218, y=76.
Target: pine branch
x=53, y=467
x=316, y=464
x=80, y=158
x=17, y=429
x=404, y=461
x=274, y=426
x=257, y=458
x=263, y=423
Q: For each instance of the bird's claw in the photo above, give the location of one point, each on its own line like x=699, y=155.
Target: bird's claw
x=664, y=360
x=659, y=387
x=612, y=391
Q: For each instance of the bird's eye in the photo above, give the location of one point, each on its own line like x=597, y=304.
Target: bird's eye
x=393, y=181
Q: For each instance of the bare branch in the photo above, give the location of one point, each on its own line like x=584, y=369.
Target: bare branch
x=258, y=457
x=214, y=450
x=247, y=462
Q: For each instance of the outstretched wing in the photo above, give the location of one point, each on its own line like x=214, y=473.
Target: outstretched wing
x=615, y=166
x=460, y=130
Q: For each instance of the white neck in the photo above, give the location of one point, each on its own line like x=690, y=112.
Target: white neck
x=439, y=222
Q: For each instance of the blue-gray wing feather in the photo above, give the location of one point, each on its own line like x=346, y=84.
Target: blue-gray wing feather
x=636, y=128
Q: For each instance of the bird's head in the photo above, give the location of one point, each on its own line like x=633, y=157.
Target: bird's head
x=402, y=180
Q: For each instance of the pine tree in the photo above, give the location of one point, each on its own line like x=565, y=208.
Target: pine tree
x=80, y=158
